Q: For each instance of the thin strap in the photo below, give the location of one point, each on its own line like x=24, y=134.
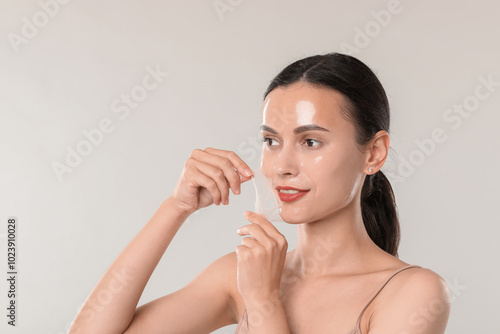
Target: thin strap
x=358, y=322
x=243, y=322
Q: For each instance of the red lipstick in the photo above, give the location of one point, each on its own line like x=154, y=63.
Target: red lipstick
x=291, y=196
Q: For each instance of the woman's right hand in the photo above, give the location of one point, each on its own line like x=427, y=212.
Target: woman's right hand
x=206, y=178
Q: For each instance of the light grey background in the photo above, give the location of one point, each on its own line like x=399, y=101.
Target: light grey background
x=63, y=79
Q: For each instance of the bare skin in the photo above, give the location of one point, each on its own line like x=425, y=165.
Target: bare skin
x=319, y=287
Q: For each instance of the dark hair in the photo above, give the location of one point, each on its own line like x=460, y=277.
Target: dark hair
x=368, y=108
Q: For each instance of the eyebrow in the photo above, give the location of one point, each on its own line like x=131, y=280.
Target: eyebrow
x=300, y=129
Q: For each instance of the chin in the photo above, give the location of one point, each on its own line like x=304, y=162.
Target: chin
x=294, y=216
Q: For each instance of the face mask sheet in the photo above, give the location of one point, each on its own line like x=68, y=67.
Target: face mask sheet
x=265, y=200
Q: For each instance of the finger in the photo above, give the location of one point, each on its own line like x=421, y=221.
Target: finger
x=202, y=180
x=255, y=231
x=271, y=231
x=223, y=164
x=218, y=176
x=241, y=167
x=249, y=242
x=240, y=250
x=235, y=159
x=260, y=220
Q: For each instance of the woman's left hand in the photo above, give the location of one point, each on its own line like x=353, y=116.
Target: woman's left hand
x=260, y=259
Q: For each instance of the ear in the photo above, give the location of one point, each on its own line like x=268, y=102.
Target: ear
x=377, y=150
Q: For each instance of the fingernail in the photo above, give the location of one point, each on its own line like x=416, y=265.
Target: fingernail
x=248, y=172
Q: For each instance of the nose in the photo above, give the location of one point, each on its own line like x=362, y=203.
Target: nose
x=286, y=163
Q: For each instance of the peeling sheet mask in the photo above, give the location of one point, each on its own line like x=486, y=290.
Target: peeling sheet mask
x=265, y=201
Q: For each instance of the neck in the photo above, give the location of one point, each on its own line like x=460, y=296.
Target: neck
x=337, y=243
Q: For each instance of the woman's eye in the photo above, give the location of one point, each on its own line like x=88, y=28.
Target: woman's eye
x=266, y=140
x=311, y=140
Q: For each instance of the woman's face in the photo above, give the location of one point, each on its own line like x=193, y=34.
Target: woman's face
x=309, y=146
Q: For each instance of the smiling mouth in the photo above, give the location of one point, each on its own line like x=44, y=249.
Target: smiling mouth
x=283, y=191
x=290, y=194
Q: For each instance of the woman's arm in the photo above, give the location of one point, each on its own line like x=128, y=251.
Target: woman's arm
x=202, y=306
x=207, y=177
x=112, y=303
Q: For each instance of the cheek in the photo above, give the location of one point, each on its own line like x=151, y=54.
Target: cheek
x=267, y=163
x=332, y=174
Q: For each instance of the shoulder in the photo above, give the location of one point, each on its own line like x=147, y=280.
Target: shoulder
x=223, y=273
x=225, y=264
x=416, y=300
x=420, y=281
x=424, y=286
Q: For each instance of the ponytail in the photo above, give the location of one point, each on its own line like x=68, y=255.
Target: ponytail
x=378, y=208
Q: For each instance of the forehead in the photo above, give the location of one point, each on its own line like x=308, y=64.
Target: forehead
x=303, y=103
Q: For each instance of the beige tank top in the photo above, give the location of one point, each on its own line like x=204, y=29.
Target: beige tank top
x=243, y=324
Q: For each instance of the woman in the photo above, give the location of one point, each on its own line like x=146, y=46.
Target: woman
x=325, y=123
